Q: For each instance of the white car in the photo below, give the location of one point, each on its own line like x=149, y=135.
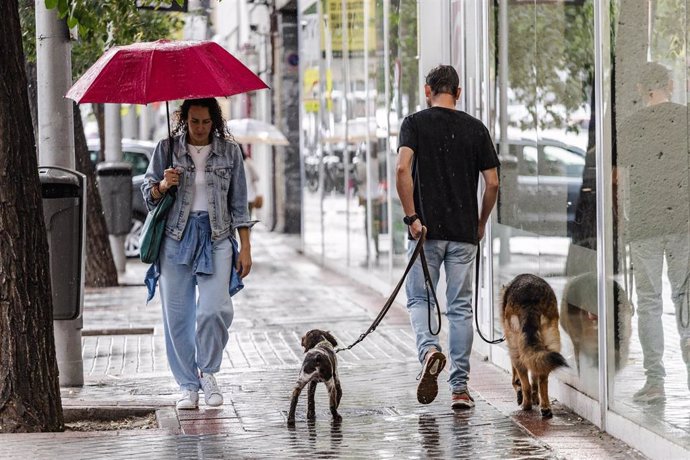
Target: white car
x=540, y=186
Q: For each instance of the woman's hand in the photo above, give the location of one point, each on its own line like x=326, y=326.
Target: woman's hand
x=244, y=261
x=171, y=177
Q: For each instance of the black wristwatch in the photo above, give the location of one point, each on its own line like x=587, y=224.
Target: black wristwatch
x=409, y=220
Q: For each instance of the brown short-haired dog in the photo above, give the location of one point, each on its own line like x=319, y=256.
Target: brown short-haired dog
x=580, y=320
x=530, y=322
x=320, y=365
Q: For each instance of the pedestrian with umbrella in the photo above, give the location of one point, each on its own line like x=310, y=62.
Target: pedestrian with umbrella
x=198, y=264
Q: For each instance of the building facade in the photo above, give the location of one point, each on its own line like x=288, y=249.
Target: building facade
x=587, y=103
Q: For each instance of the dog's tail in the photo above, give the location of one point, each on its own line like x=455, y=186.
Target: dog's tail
x=544, y=361
x=535, y=353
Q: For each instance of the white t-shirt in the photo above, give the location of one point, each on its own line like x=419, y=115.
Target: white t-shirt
x=199, y=156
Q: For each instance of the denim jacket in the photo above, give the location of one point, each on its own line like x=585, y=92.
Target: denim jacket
x=225, y=180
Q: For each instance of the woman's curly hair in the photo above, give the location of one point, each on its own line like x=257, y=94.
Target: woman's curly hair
x=219, y=127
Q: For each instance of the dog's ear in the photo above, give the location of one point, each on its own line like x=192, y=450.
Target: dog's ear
x=328, y=336
x=310, y=339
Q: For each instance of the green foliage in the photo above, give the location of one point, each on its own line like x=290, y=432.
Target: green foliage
x=101, y=24
x=551, y=60
x=668, y=30
x=403, y=48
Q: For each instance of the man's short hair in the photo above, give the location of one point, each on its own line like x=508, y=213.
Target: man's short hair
x=443, y=79
x=653, y=76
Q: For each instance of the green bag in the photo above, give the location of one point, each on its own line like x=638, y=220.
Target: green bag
x=153, y=230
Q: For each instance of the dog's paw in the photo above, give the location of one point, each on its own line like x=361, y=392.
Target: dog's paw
x=526, y=406
x=519, y=397
x=291, y=423
x=546, y=412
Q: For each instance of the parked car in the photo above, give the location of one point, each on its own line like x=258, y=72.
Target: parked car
x=540, y=186
x=138, y=153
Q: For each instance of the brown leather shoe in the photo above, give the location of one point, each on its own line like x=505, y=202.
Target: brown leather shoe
x=433, y=365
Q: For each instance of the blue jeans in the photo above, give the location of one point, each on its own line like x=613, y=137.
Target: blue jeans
x=196, y=329
x=457, y=259
x=648, y=259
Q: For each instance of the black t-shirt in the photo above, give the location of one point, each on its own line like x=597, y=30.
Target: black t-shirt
x=451, y=149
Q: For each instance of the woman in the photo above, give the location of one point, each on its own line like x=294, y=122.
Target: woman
x=199, y=249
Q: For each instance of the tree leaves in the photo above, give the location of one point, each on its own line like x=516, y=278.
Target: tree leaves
x=101, y=24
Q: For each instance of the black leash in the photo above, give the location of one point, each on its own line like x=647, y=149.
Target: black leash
x=430, y=291
x=476, y=299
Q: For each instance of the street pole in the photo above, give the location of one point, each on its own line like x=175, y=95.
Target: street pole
x=113, y=153
x=130, y=128
x=56, y=147
x=504, y=231
x=145, y=122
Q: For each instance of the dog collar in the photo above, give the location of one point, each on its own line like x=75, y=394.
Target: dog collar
x=325, y=342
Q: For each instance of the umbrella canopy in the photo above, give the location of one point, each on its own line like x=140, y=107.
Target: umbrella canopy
x=164, y=70
x=253, y=131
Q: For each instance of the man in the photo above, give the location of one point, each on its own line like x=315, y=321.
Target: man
x=653, y=168
x=441, y=154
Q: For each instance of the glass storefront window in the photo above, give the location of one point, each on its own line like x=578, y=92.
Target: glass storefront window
x=651, y=209
x=546, y=214
x=359, y=80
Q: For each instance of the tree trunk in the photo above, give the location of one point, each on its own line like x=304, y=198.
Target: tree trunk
x=29, y=386
x=30, y=68
x=99, y=113
x=100, y=268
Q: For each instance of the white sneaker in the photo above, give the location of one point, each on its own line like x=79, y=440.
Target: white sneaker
x=212, y=394
x=188, y=401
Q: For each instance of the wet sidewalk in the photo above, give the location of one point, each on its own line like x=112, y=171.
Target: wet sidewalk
x=286, y=295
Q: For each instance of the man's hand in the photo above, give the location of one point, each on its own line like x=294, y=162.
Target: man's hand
x=416, y=229
x=244, y=261
x=480, y=231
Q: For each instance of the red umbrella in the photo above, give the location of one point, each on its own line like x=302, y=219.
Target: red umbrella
x=164, y=70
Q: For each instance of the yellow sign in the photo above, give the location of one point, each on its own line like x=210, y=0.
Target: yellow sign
x=311, y=91
x=356, y=29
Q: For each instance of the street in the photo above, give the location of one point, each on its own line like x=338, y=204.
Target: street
x=285, y=295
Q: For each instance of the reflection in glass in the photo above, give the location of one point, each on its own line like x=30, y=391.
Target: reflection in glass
x=650, y=186
x=311, y=154
x=404, y=94
x=546, y=214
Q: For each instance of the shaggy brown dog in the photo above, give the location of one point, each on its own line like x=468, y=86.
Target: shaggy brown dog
x=319, y=365
x=530, y=322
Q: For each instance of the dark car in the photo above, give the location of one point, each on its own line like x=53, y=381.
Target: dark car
x=138, y=153
x=540, y=186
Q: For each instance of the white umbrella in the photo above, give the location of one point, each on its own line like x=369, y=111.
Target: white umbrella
x=356, y=131
x=253, y=131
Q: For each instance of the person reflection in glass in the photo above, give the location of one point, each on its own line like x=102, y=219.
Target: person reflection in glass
x=653, y=168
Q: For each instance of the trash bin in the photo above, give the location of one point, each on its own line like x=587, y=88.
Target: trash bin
x=64, y=211
x=115, y=187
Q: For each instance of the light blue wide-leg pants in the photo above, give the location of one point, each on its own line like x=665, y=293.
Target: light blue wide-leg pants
x=196, y=329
